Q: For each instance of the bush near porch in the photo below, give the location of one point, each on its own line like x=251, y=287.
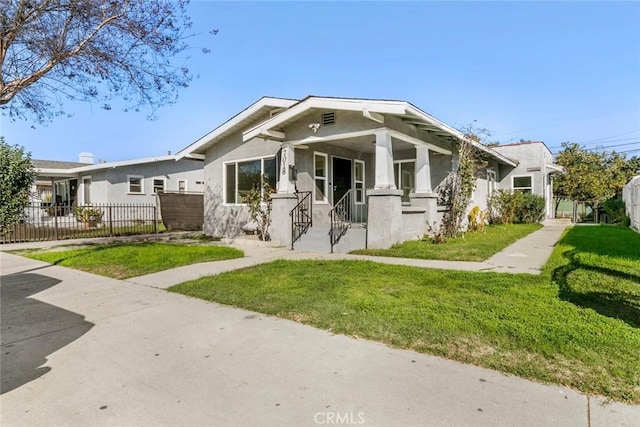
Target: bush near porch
x=577, y=324
x=473, y=246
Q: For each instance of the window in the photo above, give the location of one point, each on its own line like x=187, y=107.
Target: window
x=523, y=183
x=86, y=190
x=241, y=177
x=320, y=161
x=135, y=184
x=182, y=186
x=358, y=174
x=158, y=185
x=492, y=184
x=405, y=174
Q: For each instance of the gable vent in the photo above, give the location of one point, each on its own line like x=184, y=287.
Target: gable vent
x=328, y=118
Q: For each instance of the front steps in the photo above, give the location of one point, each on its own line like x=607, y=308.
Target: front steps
x=317, y=240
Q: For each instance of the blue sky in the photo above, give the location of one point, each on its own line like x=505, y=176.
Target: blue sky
x=551, y=71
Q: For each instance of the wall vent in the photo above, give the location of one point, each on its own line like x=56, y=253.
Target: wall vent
x=328, y=118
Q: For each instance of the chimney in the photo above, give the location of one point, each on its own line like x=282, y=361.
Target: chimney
x=86, y=158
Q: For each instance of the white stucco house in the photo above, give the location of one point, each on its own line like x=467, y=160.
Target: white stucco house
x=130, y=181
x=335, y=162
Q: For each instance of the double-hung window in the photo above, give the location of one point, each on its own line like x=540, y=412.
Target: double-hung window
x=320, y=162
x=523, y=183
x=243, y=176
x=158, y=185
x=135, y=184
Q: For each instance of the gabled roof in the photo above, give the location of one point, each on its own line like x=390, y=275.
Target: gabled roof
x=374, y=109
x=235, y=123
x=519, y=143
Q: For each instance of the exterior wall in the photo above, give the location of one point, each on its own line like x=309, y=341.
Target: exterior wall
x=530, y=156
x=111, y=185
x=631, y=197
x=220, y=218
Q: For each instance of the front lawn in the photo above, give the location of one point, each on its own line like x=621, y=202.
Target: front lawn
x=474, y=246
x=577, y=324
x=122, y=261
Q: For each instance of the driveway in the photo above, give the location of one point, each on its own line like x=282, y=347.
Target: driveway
x=82, y=349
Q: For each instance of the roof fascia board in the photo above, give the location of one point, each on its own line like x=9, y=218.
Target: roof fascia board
x=327, y=104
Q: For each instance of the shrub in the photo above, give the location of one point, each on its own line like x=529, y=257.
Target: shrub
x=615, y=210
x=87, y=214
x=260, y=205
x=477, y=219
x=515, y=208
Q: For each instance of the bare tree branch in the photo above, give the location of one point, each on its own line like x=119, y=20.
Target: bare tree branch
x=101, y=49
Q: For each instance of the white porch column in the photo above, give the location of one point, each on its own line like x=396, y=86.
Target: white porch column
x=287, y=162
x=423, y=170
x=384, y=162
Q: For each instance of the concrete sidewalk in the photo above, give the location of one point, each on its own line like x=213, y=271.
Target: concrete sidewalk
x=527, y=255
x=80, y=349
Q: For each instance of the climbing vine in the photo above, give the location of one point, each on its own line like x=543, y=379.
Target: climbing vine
x=456, y=190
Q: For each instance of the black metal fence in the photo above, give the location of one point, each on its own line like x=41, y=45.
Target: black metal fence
x=42, y=221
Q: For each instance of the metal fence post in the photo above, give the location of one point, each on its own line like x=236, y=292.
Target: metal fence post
x=110, y=221
x=155, y=219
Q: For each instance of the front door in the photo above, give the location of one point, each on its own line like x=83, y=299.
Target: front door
x=341, y=177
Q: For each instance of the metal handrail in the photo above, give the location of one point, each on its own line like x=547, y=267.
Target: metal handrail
x=301, y=216
x=344, y=213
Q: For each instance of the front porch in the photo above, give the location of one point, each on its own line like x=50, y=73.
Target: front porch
x=378, y=182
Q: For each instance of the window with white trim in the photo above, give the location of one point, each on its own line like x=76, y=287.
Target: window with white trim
x=523, y=183
x=492, y=182
x=135, y=184
x=358, y=181
x=182, y=186
x=405, y=174
x=243, y=176
x=320, y=166
x=158, y=185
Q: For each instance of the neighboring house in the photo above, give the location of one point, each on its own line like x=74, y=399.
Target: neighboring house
x=534, y=172
x=631, y=197
x=129, y=181
x=383, y=159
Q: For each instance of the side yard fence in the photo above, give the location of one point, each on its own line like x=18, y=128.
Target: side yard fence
x=42, y=221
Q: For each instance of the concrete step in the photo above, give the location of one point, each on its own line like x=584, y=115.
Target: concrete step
x=317, y=240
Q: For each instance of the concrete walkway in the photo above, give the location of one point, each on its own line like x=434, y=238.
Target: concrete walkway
x=80, y=349
x=527, y=255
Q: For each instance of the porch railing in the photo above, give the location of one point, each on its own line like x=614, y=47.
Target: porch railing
x=350, y=209
x=301, y=216
x=43, y=221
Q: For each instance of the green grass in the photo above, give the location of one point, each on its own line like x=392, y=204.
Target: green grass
x=474, y=246
x=577, y=324
x=122, y=261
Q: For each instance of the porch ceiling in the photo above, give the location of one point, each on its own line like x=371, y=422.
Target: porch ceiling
x=366, y=144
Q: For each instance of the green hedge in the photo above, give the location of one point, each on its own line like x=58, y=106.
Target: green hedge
x=515, y=208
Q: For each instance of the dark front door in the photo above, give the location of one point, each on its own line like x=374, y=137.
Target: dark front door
x=341, y=178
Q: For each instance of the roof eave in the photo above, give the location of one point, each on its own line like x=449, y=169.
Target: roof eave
x=199, y=147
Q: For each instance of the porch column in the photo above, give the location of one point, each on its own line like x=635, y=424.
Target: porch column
x=287, y=162
x=423, y=170
x=284, y=200
x=424, y=197
x=384, y=162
